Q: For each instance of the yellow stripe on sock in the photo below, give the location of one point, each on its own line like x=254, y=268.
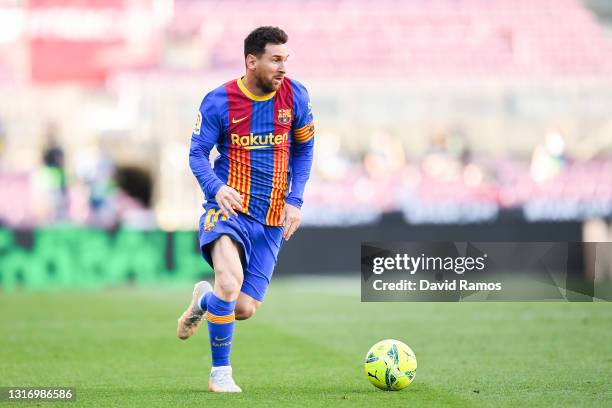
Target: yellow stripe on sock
x=221, y=319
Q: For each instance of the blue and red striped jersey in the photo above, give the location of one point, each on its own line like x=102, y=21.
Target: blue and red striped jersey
x=265, y=146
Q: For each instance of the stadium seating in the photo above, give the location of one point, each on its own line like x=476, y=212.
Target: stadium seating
x=420, y=37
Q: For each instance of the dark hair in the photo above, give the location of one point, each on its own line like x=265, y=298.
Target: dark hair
x=255, y=42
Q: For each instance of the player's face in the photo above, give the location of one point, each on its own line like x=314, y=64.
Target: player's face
x=270, y=67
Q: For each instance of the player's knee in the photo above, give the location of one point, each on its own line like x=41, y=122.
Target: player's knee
x=229, y=286
x=245, y=311
x=227, y=282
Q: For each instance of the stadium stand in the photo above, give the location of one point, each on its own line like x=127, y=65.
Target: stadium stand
x=422, y=37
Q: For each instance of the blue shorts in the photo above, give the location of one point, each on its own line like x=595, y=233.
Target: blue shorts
x=260, y=245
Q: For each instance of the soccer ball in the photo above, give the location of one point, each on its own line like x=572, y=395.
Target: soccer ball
x=390, y=365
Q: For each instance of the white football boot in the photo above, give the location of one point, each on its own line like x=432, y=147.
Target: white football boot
x=221, y=380
x=191, y=319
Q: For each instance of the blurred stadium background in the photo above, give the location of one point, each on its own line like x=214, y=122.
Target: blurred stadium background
x=437, y=119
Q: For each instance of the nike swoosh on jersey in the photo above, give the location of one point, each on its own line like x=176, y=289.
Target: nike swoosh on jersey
x=234, y=120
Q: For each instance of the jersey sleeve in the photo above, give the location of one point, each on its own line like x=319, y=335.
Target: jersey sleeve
x=207, y=130
x=303, y=125
x=302, y=147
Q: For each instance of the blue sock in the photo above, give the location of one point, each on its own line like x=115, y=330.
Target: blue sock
x=221, y=320
x=203, y=302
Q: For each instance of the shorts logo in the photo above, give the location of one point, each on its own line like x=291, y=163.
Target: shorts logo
x=284, y=116
x=198, y=124
x=212, y=216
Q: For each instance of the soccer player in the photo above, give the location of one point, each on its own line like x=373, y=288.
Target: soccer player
x=263, y=128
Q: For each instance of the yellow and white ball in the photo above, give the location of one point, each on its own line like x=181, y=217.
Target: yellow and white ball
x=390, y=365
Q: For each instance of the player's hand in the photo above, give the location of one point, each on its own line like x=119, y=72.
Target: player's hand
x=228, y=200
x=292, y=216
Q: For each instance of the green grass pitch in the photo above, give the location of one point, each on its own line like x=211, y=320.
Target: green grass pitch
x=306, y=347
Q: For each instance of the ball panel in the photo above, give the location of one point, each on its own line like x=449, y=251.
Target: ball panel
x=375, y=372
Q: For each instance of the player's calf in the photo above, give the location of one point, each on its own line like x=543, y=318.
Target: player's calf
x=245, y=312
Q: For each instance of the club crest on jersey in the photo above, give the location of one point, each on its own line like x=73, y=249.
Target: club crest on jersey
x=284, y=116
x=198, y=124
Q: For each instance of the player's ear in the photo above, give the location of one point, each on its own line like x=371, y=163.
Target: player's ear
x=250, y=61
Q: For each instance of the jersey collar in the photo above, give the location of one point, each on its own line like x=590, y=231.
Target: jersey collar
x=250, y=95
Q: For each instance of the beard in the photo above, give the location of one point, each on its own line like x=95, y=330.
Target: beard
x=265, y=85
